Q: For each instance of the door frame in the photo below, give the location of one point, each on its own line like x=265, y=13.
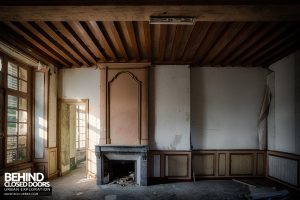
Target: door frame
x=58, y=138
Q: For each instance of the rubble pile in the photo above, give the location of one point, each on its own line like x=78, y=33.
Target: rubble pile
x=126, y=180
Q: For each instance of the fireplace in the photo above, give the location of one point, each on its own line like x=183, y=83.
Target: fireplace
x=118, y=169
x=130, y=158
x=123, y=122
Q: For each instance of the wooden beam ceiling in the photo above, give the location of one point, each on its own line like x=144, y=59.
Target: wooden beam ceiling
x=87, y=43
x=70, y=33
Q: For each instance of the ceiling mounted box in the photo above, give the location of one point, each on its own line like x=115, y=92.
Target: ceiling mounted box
x=173, y=20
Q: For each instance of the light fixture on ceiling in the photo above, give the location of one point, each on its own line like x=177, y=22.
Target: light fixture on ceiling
x=172, y=20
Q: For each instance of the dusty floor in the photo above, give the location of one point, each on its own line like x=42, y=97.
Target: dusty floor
x=75, y=186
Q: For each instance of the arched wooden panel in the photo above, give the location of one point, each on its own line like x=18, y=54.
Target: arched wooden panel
x=124, y=102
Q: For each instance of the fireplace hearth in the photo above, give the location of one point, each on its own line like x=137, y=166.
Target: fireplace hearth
x=111, y=157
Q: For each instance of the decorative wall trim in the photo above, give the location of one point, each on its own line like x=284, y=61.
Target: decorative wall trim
x=239, y=164
x=165, y=168
x=221, y=164
x=229, y=163
x=52, y=162
x=139, y=93
x=214, y=163
x=205, y=165
x=109, y=72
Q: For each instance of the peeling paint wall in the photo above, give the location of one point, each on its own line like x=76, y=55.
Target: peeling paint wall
x=68, y=136
x=225, y=105
x=169, y=108
x=72, y=129
x=65, y=137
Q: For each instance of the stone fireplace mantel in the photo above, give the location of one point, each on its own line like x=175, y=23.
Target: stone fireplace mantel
x=137, y=153
x=110, y=148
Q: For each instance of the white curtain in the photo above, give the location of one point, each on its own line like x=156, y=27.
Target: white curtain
x=263, y=120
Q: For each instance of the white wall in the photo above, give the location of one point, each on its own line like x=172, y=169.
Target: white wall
x=284, y=136
x=84, y=83
x=169, y=108
x=271, y=115
x=225, y=105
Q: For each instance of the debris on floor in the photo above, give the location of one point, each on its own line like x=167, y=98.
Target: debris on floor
x=264, y=193
x=249, y=185
x=268, y=193
x=126, y=180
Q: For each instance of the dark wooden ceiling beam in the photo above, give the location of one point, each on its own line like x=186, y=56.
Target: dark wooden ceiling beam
x=85, y=38
x=115, y=35
x=195, y=40
x=42, y=37
x=95, y=29
x=133, y=39
x=155, y=32
x=276, y=46
x=176, y=42
x=184, y=42
x=170, y=41
x=221, y=12
x=280, y=53
x=264, y=41
x=162, y=42
x=234, y=45
x=167, y=62
x=9, y=36
x=61, y=28
x=146, y=39
x=232, y=30
x=33, y=41
x=59, y=40
x=263, y=30
x=270, y=51
x=215, y=31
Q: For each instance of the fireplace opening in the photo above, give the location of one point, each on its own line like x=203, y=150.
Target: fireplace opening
x=122, y=172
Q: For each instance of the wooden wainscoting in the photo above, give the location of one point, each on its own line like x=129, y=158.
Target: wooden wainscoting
x=204, y=164
x=228, y=163
x=52, y=163
x=47, y=165
x=284, y=168
x=207, y=164
x=170, y=164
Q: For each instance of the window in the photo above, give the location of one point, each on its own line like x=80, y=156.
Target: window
x=17, y=122
x=80, y=126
